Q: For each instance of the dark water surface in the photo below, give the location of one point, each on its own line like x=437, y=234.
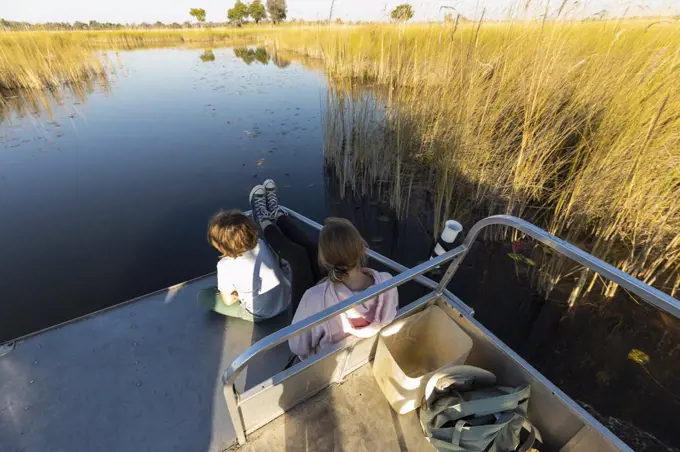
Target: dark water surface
x=108, y=199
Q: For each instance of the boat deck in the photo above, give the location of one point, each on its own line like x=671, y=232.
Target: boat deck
x=145, y=376
x=148, y=375
x=350, y=416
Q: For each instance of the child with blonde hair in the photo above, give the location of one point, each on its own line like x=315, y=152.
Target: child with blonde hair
x=342, y=253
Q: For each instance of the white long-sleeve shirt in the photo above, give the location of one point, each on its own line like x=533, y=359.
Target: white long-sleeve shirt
x=261, y=284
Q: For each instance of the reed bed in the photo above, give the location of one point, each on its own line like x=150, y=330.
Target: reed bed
x=38, y=60
x=575, y=126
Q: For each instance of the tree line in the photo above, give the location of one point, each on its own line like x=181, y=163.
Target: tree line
x=8, y=25
x=275, y=11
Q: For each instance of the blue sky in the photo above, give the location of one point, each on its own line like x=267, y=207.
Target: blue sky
x=177, y=10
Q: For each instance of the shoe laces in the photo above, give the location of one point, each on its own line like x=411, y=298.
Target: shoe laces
x=272, y=202
x=260, y=206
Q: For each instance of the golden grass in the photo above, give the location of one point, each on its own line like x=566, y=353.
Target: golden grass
x=37, y=60
x=573, y=125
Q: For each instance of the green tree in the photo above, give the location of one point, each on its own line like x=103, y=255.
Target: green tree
x=198, y=14
x=402, y=12
x=238, y=13
x=257, y=11
x=277, y=10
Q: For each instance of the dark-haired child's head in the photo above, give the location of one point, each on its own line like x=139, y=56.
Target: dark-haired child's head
x=232, y=233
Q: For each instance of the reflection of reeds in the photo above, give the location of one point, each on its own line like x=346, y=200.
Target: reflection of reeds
x=574, y=126
x=47, y=59
x=24, y=102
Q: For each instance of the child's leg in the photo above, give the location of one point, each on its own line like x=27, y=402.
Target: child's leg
x=211, y=299
x=297, y=235
x=296, y=255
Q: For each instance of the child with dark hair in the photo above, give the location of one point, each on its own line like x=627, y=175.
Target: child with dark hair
x=250, y=283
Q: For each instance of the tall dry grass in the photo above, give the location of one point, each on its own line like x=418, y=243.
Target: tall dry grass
x=37, y=60
x=573, y=125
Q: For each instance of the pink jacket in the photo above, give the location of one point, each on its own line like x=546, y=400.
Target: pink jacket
x=373, y=315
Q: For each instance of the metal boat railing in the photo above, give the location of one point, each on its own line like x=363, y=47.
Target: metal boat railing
x=455, y=256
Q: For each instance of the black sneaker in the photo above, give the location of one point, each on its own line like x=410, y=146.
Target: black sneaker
x=258, y=202
x=272, y=199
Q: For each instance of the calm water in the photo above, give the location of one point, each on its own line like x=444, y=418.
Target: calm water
x=108, y=199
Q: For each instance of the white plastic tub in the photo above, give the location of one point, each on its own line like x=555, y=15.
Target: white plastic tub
x=410, y=350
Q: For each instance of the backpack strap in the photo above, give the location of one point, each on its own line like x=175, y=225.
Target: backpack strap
x=483, y=406
x=479, y=416
x=460, y=378
x=502, y=436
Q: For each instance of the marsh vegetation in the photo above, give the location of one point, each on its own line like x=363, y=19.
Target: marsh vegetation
x=572, y=125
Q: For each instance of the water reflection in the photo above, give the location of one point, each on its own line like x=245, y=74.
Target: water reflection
x=18, y=104
x=263, y=56
x=249, y=56
x=207, y=56
x=279, y=61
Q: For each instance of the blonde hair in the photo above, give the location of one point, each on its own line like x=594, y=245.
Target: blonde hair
x=341, y=248
x=232, y=233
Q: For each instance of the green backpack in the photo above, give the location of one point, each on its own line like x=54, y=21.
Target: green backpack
x=464, y=411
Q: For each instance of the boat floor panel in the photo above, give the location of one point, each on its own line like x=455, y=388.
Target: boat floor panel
x=352, y=416
x=145, y=376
